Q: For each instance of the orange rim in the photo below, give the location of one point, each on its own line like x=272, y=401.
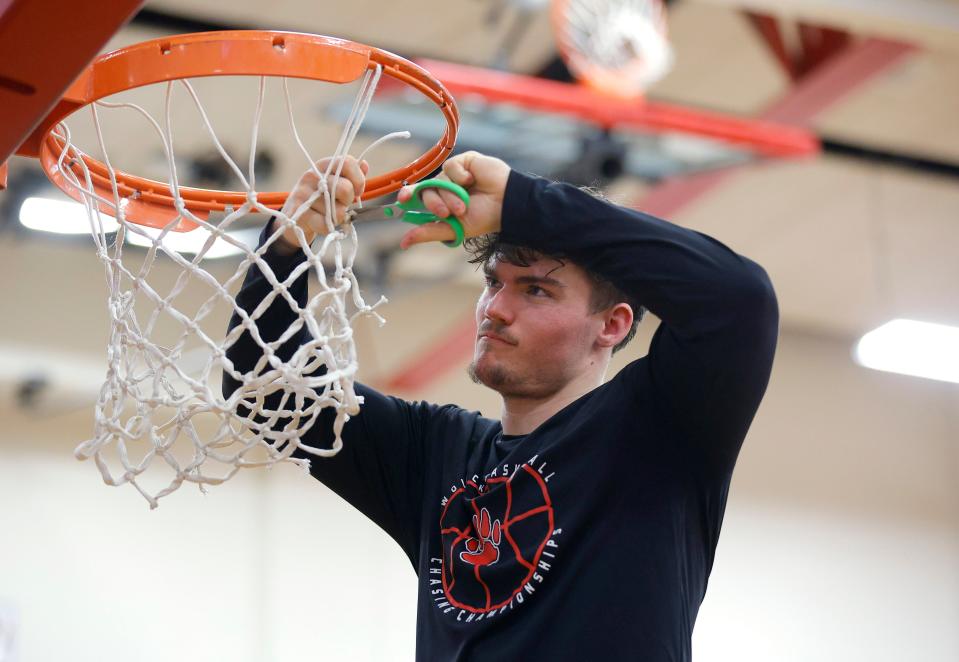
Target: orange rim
x=230, y=53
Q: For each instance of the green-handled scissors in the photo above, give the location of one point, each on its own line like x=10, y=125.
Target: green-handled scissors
x=414, y=211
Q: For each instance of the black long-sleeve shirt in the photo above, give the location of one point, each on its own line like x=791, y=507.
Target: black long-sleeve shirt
x=592, y=537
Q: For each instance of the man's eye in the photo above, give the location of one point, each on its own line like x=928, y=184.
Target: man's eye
x=491, y=282
x=537, y=291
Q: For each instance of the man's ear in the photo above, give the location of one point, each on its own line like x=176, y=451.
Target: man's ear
x=617, y=320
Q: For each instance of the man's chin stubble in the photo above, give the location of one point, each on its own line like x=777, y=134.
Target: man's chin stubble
x=502, y=381
x=495, y=377
x=489, y=380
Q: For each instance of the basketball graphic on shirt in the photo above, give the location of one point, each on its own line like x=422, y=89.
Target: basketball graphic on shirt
x=493, y=537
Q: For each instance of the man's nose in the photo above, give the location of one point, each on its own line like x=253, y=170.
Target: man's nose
x=498, y=307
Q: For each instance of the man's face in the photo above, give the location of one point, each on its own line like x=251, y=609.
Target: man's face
x=535, y=329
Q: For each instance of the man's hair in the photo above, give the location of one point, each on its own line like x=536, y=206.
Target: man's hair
x=488, y=247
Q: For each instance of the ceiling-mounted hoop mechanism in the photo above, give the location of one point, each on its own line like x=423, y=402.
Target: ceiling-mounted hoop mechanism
x=616, y=47
x=227, y=53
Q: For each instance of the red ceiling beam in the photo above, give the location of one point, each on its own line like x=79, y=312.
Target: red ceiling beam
x=671, y=195
x=769, y=30
x=837, y=78
x=582, y=102
x=817, y=44
x=826, y=85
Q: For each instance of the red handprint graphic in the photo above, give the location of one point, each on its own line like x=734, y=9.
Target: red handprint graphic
x=493, y=538
x=484, y=550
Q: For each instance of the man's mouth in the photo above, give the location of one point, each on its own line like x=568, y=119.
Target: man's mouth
x=493, y=337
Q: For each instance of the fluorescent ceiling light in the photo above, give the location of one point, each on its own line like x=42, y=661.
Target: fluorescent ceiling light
x=69, y=217
x=908, y=347
x=193, y=241
x=59, y=216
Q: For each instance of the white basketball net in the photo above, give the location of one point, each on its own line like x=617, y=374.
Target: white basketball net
x=162, y=395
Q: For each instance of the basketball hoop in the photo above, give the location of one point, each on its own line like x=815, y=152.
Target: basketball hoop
x=229, y=53
x=616, y=47
x=161, y=404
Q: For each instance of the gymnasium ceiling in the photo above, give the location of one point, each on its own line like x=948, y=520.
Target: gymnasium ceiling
x=867, y=231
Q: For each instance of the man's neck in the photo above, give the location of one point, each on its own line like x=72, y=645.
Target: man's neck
x=523, y=415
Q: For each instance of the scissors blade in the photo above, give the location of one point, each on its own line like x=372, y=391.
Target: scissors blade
x=376, y=213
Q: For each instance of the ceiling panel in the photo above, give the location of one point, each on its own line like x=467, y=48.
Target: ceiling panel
x=847, y=245
x=912, y=108
x=930, y=23
x=721, y=63
x=459, y=30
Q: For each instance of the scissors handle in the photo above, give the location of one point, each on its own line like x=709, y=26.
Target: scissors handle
x=414, y=211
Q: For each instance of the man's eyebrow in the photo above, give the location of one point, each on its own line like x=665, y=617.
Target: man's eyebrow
x=540, y=280
x=490, y=272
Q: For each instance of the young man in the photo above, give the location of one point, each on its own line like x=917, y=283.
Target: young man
x=582, y=526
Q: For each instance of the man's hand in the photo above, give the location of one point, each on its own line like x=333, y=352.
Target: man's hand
x=484, y=178
x=312, y=221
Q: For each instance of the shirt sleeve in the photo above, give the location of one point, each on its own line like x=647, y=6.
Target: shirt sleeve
x=381, y=466
x=710, y=358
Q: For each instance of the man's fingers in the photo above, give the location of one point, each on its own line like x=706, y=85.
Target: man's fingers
x=438, y=231
x=352, y=171
x=434, y=202
x=315, y=221
x=453, y=202
x=345, y=192
x=456, y=170
x=308, y=181
x=309, y=190
x=438, y=201
x=315, y=215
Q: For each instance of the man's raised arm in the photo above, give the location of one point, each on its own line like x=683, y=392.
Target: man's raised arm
x=380, y=467
x=711, y=358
